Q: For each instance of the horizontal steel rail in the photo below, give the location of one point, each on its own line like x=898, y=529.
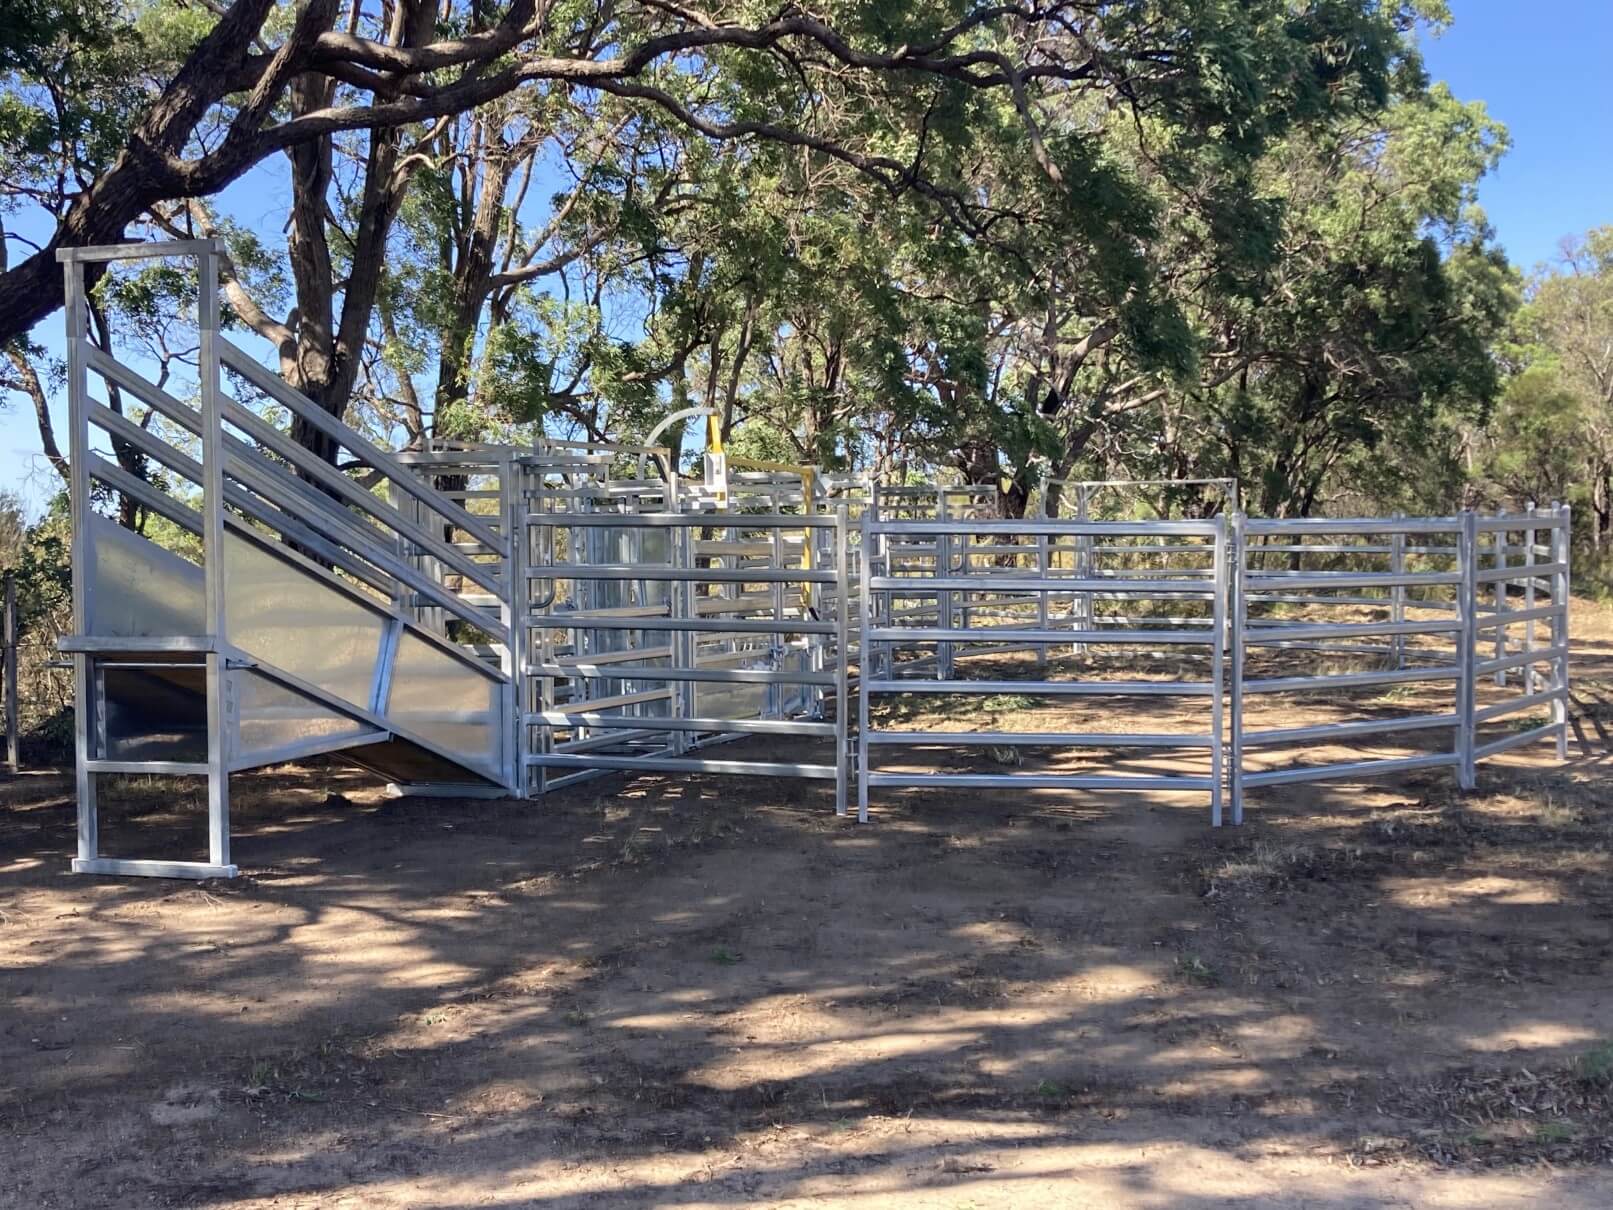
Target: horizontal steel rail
x=1042, y=739
x=739, y=726
x=1043, y=781
x=943, y=584
x=359, y=447
x=712, y=676
x=1281, y=631
x=667, y=764
x=1537, y=656
x=1526, y=701
x=571, y=621
x=1330, y=682
x=911, y=586
x=1036, y=528
x=1521, y=571
x=1357, y=729
x=739, y=521
x=1349, y=770
x=1256, y=526
x=1043, y=688
x=1508, y=742
x=1005, y=634
x=1287, y=581
x=708, y=575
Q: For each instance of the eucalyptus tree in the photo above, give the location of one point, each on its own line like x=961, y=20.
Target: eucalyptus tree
x=908, y=96
x=1568, y=326
x=1133, y=225
x=259, y=81
x=1370, y=326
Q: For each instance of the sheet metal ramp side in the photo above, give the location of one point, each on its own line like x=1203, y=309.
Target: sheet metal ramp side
x=881, y=628
x=309, y=719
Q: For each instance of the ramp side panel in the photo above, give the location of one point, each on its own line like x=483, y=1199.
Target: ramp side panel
x=292, y=620
x=454, y=708
x=404, y=763
x=275, y=722
x=138, y=589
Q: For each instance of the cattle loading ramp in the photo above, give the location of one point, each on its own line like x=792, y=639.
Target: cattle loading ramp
x=472, y=620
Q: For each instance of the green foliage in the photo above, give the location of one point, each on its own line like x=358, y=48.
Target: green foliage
x=1243, y=240
x=1536, y=439
x=74, y=75
x=38, y=554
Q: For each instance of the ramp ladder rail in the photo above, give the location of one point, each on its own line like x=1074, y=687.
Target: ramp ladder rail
x=278, y=606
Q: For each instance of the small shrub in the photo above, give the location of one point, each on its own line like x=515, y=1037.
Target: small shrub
x=1595, y=1066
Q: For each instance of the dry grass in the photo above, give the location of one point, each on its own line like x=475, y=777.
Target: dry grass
x=1560, y=1115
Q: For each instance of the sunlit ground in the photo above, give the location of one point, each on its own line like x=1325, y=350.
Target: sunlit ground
x=713, y=992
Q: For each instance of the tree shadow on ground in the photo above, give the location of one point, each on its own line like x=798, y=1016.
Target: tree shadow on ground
x=710, y=990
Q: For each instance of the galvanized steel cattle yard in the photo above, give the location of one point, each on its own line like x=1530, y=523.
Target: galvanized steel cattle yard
x=509, y=619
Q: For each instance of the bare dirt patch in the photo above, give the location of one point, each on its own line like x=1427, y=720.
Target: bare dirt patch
x=710, y=991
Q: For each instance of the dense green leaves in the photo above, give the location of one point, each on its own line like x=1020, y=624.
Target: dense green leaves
x=1168, y=238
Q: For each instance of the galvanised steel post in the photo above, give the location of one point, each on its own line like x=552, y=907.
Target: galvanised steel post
x=1467, y=638
x=1218, y=613
x=867, y=670
x=1239, y=624
x=1562, y=547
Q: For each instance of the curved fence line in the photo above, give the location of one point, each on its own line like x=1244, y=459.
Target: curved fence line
x=1309, y=608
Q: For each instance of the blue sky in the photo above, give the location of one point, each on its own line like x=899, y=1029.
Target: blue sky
x=1544, y=71
x=1542, y=68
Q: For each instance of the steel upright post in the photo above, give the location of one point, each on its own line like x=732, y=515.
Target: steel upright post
x=1467, y=654
x=1082, y=602
x=1043, y=571
x=1562, y=584
x=1500, y=604
x=944, y=600
x=1531, y=679
x=219, y=685
x=682, y=642
x=865, y=670
x=89, y=842
x=1218, y=625
x=1238, y=627
x=9, y=687
x=513, y=611
x=1397, y=608
x=842, y=655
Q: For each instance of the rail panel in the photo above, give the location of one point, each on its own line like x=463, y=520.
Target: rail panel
x=948, y=598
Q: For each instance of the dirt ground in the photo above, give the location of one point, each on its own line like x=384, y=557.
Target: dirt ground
x=711, y=992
